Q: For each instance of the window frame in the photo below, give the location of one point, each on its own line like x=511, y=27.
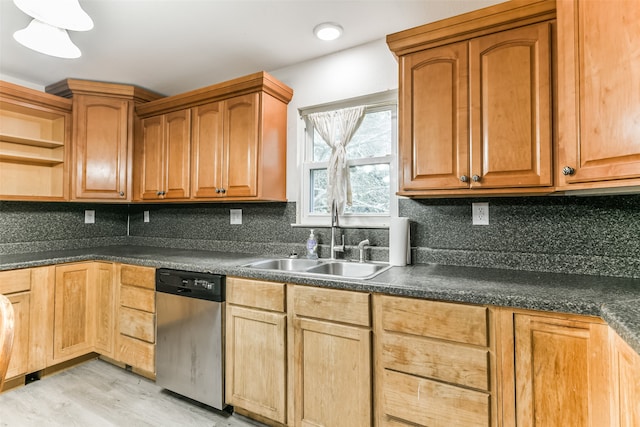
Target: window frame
x=374, y=102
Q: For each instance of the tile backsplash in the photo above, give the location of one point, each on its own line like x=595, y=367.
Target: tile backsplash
x=587, y=235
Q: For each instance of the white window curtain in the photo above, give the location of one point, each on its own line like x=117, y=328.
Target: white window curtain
x=336, y=129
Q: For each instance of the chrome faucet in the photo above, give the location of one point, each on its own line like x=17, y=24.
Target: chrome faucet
x=335, y=225
x=361, y=247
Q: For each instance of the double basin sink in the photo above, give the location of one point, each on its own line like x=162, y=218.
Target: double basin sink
x=322, y=267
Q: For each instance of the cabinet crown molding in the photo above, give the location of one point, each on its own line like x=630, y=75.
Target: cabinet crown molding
x=261, y=81
x=69, y=87
x=20, y=95
x=500, y=17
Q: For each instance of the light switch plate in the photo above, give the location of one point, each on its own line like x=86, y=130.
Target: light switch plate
x=145, y=216
x=235, y=216
x=89, y=217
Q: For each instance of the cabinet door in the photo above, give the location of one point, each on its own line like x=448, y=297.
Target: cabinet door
x=332, y=374
x=510, y=79
x=101, y=146
x=177, y=154
x=599, y=91
x=105, y=308
x=73, y=310
x=434, y=140
x=561, y=371
x=626, y=381
x=20, y=350
x=241, y=116
x=207, y=150
x=256, y=361
x=152, y=174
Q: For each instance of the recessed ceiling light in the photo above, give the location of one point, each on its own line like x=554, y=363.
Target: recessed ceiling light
x=328, y=31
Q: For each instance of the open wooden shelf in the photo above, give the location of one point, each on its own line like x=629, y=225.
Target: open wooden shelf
x=30, y=158
x=35, y=128
x=35, y=142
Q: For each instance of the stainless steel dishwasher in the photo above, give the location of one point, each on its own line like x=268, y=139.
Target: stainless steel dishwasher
x=190, y=312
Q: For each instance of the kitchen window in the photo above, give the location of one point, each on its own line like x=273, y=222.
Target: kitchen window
x=371, y=161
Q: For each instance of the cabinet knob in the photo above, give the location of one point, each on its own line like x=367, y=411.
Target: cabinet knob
x=222, y=190
x=475, y=178
x=122, y=194
x=218, y=190
x=464, y=178
x=568, y=170
x=159, y=193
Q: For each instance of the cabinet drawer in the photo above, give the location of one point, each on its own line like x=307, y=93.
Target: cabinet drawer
x=15, y=281
x=137, y=353
x=141, y=277
x=138, y=298
x=444, y=361
x=453, y=322
x=256, y=293
x=430, y=403
x=330, y=304
x=137, y=324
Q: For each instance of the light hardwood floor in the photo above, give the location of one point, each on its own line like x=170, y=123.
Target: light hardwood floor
x=98, y=394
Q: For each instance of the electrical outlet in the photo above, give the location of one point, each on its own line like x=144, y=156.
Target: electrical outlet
x=235, y=216
x=89, y=217
x=145, y=216
x=480, y=213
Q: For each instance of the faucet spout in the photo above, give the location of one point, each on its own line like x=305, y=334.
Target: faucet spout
x=334, y=226
x=361, y=247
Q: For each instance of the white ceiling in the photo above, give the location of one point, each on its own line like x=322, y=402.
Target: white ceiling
x=171, y=46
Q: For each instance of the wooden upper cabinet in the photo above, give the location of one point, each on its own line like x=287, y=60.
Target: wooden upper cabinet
x=207, y=150
x=102, y=150
x=101, y=141
x=475, y=112
x=164, y=156
x=225, y=148
x=510, y=82
x=599, y=94
x=434, y=134
x=177, y=158
x=241, y=125
x=238, y=140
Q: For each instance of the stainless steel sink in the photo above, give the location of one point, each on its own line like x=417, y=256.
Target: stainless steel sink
x=323, y=267
x=285, y=264
x=348, y=269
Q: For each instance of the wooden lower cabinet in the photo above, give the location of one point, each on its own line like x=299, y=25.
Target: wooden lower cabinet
x=625, y=369
x=332, y=374
x=561, y=371
x=104, y=284
x=256, y=348
x=73, y=312
x=435, y=363
x=20, y=351
x=136, y=316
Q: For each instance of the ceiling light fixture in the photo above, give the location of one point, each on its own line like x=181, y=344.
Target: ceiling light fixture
x=47, y=39
x=328, y=31
x=65, y=14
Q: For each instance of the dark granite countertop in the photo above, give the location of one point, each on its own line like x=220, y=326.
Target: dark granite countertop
x=616, y=300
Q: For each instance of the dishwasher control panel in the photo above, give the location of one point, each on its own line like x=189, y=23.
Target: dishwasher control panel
x=191, y=284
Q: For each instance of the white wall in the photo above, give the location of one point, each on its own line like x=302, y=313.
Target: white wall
x=359, y=71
